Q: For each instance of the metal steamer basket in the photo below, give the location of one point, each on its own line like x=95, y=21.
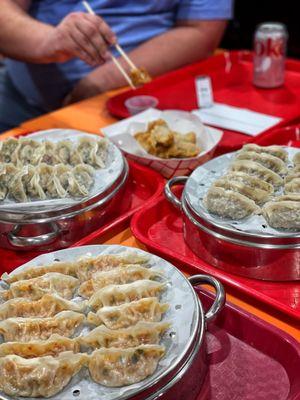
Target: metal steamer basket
x=182, y=373
x=248, y=247
x=57, y=224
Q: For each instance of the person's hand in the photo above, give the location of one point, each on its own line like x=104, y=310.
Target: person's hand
x=79, y=35
x=88, y=86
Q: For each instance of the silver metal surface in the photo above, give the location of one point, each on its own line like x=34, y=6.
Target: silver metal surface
x=178, y=180
x=23, y=241
x=220, y=299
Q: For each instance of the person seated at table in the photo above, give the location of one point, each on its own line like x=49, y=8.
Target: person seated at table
x=57, y=54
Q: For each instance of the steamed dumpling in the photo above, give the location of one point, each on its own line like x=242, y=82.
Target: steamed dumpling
x=119, y=367
x=124, y=315
x=64, y=150
x=141, y=333
x=296, y=159
x=16, y=188
x=293, y=186
x=28, y=329
x=38, y=377
x=28, y=151
x=35, y=288
x=116, y=276
x=283, y=214
x=255, y=194
x=92, y=151
x=267, y=160
x=53, y=346
x=276, y=151
x=113, y=295
x=291, y=176
x=7, y=149
x=229, y=204
x=261, y=172
x=32, y=184
x=50, y=155
x=250, y=180
x=48, y=306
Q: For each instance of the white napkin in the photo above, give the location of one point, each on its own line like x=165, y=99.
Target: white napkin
x=236, y=119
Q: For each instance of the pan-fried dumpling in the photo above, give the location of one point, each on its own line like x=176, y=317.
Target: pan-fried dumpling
x=28, y=329
x=296, y=158
x=114, y=295
x=141, y=333
x=229, y=204
x=255, y=194
x=27, y=152
x=7, y=149
x=119, y=367
x=16, y=188
x=64, y=150
x=53, y=346
x=38, y=377
x=249, y=180
x=35, y=288
x=267, y=160
x=87, y=266
x=291, y=176
x=284, y=214
x=62, y=267
x=117, y=276
x=276, y=151
x=292, y=186
x=117, y=317
x=253, y=168
x=48, y=306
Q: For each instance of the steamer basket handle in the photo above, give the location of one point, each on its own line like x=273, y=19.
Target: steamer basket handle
x=32, y=241
x=177, y=180
x=219, y=301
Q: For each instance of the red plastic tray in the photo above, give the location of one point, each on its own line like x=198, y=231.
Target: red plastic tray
x=288, y=136
x=143, y=185
x=249, y=359
x=231, y=75
x=159, y=226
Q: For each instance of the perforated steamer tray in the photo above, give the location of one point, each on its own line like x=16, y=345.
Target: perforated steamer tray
x=104, y=177
x=201, y=180
x=183, y=314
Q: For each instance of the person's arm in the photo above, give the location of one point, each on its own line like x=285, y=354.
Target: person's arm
x=26, y=39
x=188, y=42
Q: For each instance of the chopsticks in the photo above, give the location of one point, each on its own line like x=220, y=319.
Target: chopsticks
x=120, y=50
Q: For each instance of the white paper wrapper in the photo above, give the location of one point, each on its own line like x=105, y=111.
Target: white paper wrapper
x=179, y=295
x=201, y=180
x=104, y=177
x=122, y=134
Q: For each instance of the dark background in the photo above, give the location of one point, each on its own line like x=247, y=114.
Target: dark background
x=249, y=13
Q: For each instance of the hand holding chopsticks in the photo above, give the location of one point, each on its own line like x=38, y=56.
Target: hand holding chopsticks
x=120, y=50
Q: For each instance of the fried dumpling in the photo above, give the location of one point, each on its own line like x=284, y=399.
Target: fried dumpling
x=53, y=346
x=38, y=377
x=87, y=266
x=114, y=295
x=250, y=180
x=7, y=149
x=119, y=367
x=255, y=194
x=62, y=267
x=128, y=314
x=229, y=204
x=296, y=158
x=141, y=333
x=293, y=186
x=48, y=306
x=35, y=288
x=267, y=160
x=28, y=329
x=117, y=276
x=276, y=151
x=253, y=168
x=283, y=214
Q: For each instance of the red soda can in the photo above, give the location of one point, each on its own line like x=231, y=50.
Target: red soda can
x=270, y=41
